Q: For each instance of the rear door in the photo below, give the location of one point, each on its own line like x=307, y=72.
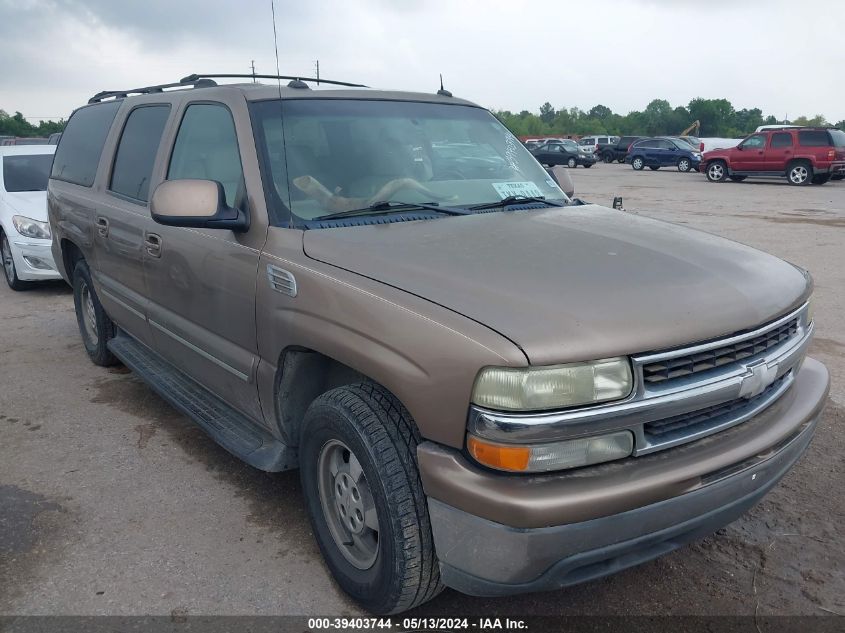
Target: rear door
x=201, y=282
x=779, y=152
x=123, y=218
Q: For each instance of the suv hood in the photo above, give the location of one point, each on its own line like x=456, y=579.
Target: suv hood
x=574, y=283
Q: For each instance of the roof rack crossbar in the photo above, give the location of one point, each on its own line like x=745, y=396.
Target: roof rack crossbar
x=121, y=94
x=320, y=80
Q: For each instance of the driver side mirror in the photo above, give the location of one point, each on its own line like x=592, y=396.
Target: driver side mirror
x=199, y=204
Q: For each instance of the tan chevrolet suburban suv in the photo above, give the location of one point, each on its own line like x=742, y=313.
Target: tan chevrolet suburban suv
x=484, y=384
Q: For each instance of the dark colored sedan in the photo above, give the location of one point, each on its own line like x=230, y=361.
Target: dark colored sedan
x=663, y=151
x=562, y=153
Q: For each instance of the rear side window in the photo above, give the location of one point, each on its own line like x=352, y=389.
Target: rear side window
x=136, y=152
x=27, y=172
x=207, y=148
x=781, y=140
x=814, y=138
x=838, y=137
x=82, y=143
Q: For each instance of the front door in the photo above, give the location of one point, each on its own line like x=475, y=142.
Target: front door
x=750, y=154
x=202, y=281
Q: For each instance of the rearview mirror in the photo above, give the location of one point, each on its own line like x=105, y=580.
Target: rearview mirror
x=199, y=204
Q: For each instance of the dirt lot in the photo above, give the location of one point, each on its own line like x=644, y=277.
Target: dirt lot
x=112, y=503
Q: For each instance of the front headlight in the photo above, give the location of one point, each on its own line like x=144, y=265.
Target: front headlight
x=31, y=228
x=554, y=386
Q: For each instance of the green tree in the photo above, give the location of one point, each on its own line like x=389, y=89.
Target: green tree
x=841, y=124
x=600, y=112
x=547, y=113
x=716, y=115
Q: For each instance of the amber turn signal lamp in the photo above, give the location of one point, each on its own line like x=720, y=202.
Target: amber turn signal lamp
x=513, y=458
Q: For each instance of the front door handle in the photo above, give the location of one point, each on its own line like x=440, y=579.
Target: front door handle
x=102, y=226
x=152, y=242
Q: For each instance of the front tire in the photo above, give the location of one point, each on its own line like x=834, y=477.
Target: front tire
x=717, y=171
x=9, y=270
x=608, y=157
x=365, y=498
x=95, y=326
x=637, y=163
x=572, y=163
x=684, y=165
x=799, y=173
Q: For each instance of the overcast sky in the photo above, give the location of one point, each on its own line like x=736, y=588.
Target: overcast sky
x=788, y=58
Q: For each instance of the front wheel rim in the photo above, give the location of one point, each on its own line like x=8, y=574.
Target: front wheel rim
x=348, y=504
x=798, y=174
x=637, y=163
x=684, y=165
x=716, y=172
x=8, y=261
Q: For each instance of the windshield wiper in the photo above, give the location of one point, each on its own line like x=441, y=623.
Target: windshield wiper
x=515, y=200
x=386, y=207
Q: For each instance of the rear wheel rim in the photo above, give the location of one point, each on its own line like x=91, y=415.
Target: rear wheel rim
x=798, y=174
x=8, y=261
x=89, y=313
x=716, y=172
x=348, y=504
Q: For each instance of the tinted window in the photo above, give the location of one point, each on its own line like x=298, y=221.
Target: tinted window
x=602, y=139
x=814, y=138
x=82, y=143
x=207, y=148
x=781, y=140
x=136, y=152
x=838, y=137
x=646, y=145
x=26, y=173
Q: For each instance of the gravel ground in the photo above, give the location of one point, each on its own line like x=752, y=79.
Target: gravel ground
x=112, y=503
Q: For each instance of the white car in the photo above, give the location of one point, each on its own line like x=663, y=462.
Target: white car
x=24, y=230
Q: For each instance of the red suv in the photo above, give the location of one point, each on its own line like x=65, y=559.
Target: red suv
x=802, y=155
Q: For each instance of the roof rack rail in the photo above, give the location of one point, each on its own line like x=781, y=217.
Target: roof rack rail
x=318, y=80
x=196, y=82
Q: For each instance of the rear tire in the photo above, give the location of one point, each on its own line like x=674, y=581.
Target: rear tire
x=365, y=498
x=620, y=160
x=637, y=163
x=717, y=171
x=799, y=173
x=9, y=270
x=588, y=165
x=654, y=167
x=95, y=326
x=737, y=178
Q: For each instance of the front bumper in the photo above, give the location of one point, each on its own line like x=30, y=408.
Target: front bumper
x=497, y=534
x=33, y=259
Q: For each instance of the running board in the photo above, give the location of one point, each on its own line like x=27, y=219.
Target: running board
x=232, y=430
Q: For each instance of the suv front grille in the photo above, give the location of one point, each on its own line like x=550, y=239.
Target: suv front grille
x=704, y=419
x=681, y=366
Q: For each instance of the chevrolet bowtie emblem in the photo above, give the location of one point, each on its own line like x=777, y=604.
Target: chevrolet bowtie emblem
x=756, y=379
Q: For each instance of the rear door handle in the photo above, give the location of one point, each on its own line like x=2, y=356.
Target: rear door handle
x=102, y=226
x=152, y=242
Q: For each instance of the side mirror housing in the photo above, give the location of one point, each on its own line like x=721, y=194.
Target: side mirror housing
x=199, y=204
x=563, y=179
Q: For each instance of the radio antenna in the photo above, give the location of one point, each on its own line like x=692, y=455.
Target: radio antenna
x=443, y=92
x=276, y=45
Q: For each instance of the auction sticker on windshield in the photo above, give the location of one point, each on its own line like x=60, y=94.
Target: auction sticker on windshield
x=525, y=189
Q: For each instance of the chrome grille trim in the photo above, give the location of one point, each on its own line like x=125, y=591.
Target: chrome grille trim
x=650, y=402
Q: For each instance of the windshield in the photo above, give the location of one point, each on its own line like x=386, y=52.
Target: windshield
x=326, y=156
x=27, y=172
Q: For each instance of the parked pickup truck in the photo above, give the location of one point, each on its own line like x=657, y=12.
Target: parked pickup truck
x=484, y=384
x=617, y=151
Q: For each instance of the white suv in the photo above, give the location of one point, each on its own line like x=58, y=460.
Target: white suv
x=588, y=144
